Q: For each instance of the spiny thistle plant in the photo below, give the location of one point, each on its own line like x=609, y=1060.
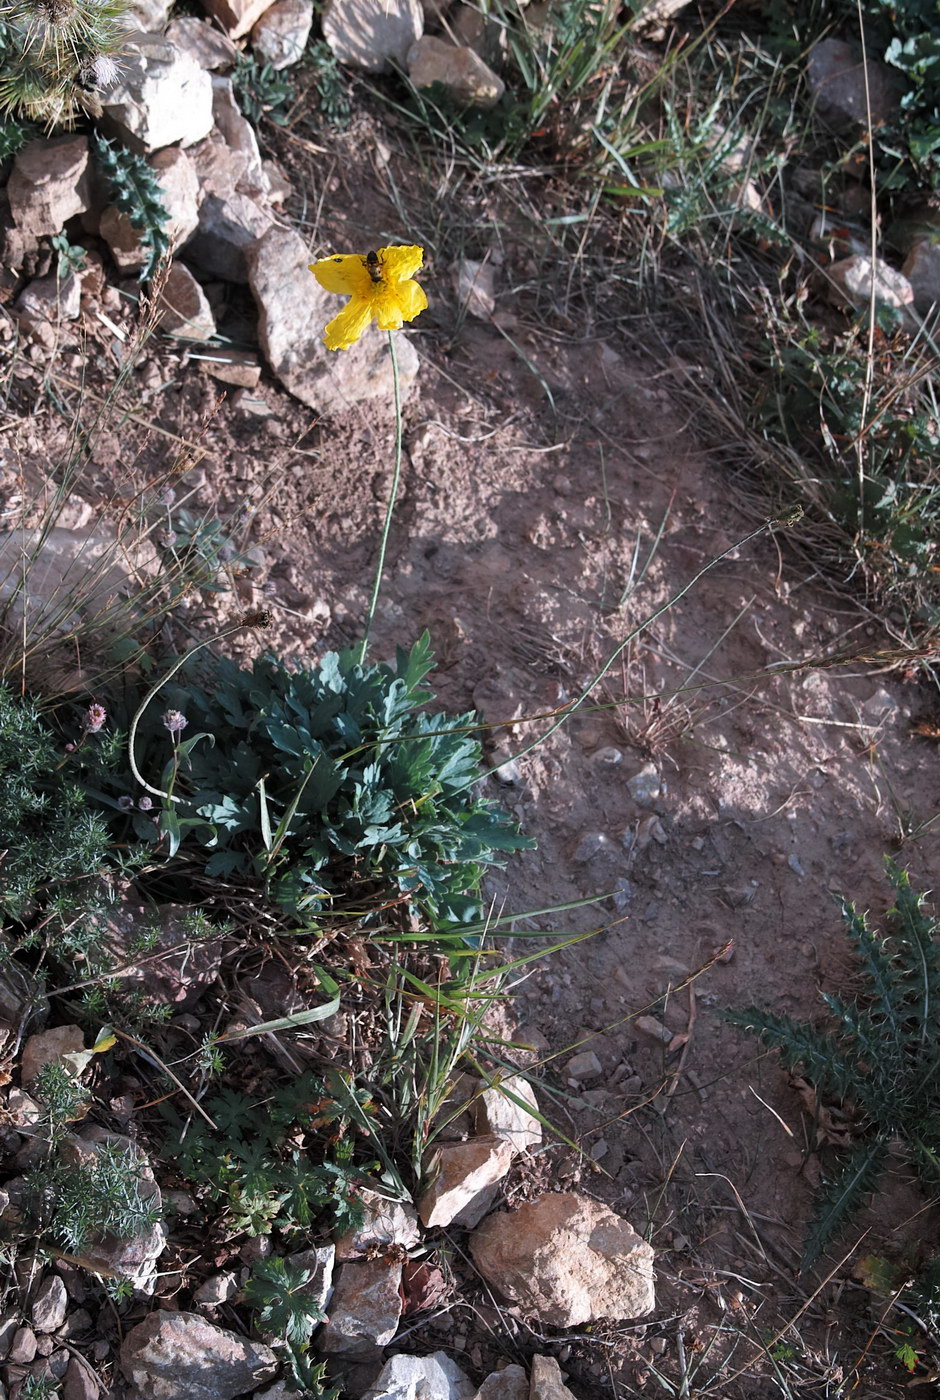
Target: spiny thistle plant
x=880, y=1057
x=57, y=55
x=137, y=193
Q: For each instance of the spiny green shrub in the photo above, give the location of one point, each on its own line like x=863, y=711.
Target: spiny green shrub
x=56, y=55
x=137, y=193
x=51, y=886
x=879, y=1053
x=320, y=779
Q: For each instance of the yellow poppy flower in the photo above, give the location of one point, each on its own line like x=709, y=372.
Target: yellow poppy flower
x=379, y=287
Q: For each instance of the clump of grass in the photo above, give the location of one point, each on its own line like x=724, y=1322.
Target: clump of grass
x=879, y=1055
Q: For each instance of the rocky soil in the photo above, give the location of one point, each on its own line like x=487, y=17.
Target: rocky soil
x=709, y=804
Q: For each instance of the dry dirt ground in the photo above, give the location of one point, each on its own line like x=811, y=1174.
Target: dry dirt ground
x=554, y=494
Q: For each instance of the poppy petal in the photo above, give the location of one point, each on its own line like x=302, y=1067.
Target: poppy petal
x=346, y=328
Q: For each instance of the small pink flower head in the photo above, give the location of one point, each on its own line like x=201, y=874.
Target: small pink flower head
x=125, y=804
x=145, y=803
x=70, y=748
x=175, y=721
x=95, y=718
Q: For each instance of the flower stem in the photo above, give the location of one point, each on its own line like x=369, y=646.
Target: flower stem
x=390, y=509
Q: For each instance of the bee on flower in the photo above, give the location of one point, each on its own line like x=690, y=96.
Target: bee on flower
x=380, y=287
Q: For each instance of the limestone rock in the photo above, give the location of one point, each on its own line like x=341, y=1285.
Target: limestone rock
x=149, y=16
x=568, y=1259
x=183, y=308
x=511, y=1383
x=461, y=71
x=48, y=1047
x=475, y=288
x=365, y=1308
x=132, y=1257
x=49, y=1305
x=50, y=183
x=459, y=1173
x=859, y=282
x=545, y=1382
x=433, y=1377
x=239, y=135
x=496, y=1112
x=369, y=33
x=384, y=1223
x=293, y=311
x=172, y=1355
x=179, y=187
x=210, y=48
x=237, y=17
x=163, y=97
x=216, y=1289
x=837, y=84
x=228, y=226
x=280, y=35
x=319, y=1262
x=922, y=270
x=654, y=18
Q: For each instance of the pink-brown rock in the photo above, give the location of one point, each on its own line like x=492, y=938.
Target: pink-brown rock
x=181, y=1356
x=545, y=1381
x=384, y=1223
x=50, y=182
x=48, y=1047
x=365, y=1308
x=511, y=1383
x=280, y=35
x=236, y=17
x=184, y=310
x=293, y=310
x=568, y=1259
x=461, y=71
x=369, y=34
x=459, y=1173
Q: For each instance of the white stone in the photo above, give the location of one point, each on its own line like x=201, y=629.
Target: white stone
x=859, y=281
x=475, y=288
x=459, y=1173
x=434, y=1377
x=369, y=33
x=546, y=1380
x=567, y=1259
x=319, y=1262
x=497, y=1111
x=163, y=96
x=280, y=35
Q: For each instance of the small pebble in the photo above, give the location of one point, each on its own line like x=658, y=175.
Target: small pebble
x=608, y=755
x=658, y=1346
x=645, y=787
x=584, y=1066
x=591, y=845
x=795, y=864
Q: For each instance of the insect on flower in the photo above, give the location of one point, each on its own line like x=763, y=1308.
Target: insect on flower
x=380, y=287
